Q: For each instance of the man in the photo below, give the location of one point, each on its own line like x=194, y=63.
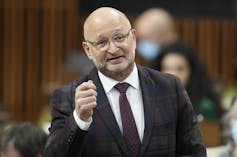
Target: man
x=155, y=29
x=23, y=140
x=93, y=117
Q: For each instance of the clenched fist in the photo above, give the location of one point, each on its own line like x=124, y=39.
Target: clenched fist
x=85, y=100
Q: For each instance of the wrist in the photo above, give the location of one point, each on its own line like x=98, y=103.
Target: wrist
x=82, y=124
x=83, y=117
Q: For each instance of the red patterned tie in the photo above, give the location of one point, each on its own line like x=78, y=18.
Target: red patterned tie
x=130, y=133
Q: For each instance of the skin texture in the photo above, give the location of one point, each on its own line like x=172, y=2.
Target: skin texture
x=10, y=151
x=116, y=62
x=177, y=65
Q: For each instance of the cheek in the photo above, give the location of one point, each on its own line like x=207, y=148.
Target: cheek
x=10, y=153
x=97, y=57
x=129, y=47
x=185, y=77
x=182, y=75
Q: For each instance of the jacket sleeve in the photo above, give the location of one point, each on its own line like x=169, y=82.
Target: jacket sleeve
x=189, y=140
x=65, y=137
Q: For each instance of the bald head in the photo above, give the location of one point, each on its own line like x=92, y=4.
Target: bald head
x=155, y=24
x=101, y=18
x=155, y=18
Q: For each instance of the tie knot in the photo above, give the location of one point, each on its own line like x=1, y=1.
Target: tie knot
x=122, y=87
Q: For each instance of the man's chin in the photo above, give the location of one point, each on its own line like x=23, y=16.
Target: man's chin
x=117, y=68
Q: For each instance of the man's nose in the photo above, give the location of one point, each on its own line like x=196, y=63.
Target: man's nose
x=112, y=47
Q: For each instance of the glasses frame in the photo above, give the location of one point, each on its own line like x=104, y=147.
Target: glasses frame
x=96, y=43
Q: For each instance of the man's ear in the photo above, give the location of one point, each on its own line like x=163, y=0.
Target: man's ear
x=86, y=49
x=134, y=34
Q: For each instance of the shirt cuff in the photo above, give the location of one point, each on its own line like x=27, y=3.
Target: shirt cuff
x=82, y=124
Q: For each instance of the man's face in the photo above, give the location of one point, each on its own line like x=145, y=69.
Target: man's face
x=111, y=45
x=10, y=151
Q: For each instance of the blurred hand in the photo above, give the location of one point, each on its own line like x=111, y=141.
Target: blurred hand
x=85, y=100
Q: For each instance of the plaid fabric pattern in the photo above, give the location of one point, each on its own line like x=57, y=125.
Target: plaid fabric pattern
x=171, y=128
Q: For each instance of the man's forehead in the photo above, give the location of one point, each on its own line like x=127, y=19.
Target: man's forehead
x=103, y=18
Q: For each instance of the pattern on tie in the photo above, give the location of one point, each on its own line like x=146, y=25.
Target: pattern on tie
x=130, y=132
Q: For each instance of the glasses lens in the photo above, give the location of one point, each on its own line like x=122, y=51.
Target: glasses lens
x=117, y=40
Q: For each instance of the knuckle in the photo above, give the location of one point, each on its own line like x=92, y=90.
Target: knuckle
x=92, y=91
x=94, y=98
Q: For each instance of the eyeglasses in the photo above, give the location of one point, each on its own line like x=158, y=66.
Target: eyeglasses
x=103, y=44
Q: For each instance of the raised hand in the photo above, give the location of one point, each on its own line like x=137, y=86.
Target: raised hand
x=85, y=100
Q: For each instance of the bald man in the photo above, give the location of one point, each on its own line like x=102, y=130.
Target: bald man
x=121, y=109
x=155, y=29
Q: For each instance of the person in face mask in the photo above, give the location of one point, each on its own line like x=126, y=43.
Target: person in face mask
x=230, y=130
x=155, y=29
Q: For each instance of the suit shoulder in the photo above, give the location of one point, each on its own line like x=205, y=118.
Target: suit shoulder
x=70, y=88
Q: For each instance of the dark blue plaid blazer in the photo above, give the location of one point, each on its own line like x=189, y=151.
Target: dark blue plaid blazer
x=171, y=128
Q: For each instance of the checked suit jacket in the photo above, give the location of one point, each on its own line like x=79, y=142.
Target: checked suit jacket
x=171, y=128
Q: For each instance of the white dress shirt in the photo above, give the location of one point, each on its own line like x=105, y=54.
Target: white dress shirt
x=134, y=97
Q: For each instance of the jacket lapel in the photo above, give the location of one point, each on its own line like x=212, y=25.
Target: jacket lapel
x=106, y=113
x=148, y=93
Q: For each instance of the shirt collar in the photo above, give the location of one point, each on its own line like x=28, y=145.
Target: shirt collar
x=108, y=83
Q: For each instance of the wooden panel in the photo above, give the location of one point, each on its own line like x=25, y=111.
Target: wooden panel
x=32, y=61
x=1, y=49
x=13, y=57
x=215, y=43
x=211, y=133
x=229, y=51
x=37, y=35
x=34, y=49
x=189, y=31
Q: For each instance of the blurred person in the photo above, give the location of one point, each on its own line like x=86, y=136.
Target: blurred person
x=4, y=116
x=155, y=29
x=121, y=108
x=182, y=61
x=44, y=117
x=23, y=140
x=229, y=123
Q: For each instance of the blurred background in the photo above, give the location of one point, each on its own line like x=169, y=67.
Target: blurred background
x=40, y=49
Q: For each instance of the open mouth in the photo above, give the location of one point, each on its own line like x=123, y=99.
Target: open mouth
x=115, y=59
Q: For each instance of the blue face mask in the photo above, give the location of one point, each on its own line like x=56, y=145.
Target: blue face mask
x=234, y=131
x=148, y=50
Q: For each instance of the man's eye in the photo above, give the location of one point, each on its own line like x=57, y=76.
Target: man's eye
x=101, y=43
x=119, y=38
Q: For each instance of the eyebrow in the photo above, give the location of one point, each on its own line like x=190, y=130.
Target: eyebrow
x=116, y=31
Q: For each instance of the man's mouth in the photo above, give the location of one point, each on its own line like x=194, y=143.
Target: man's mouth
x=115, y=59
